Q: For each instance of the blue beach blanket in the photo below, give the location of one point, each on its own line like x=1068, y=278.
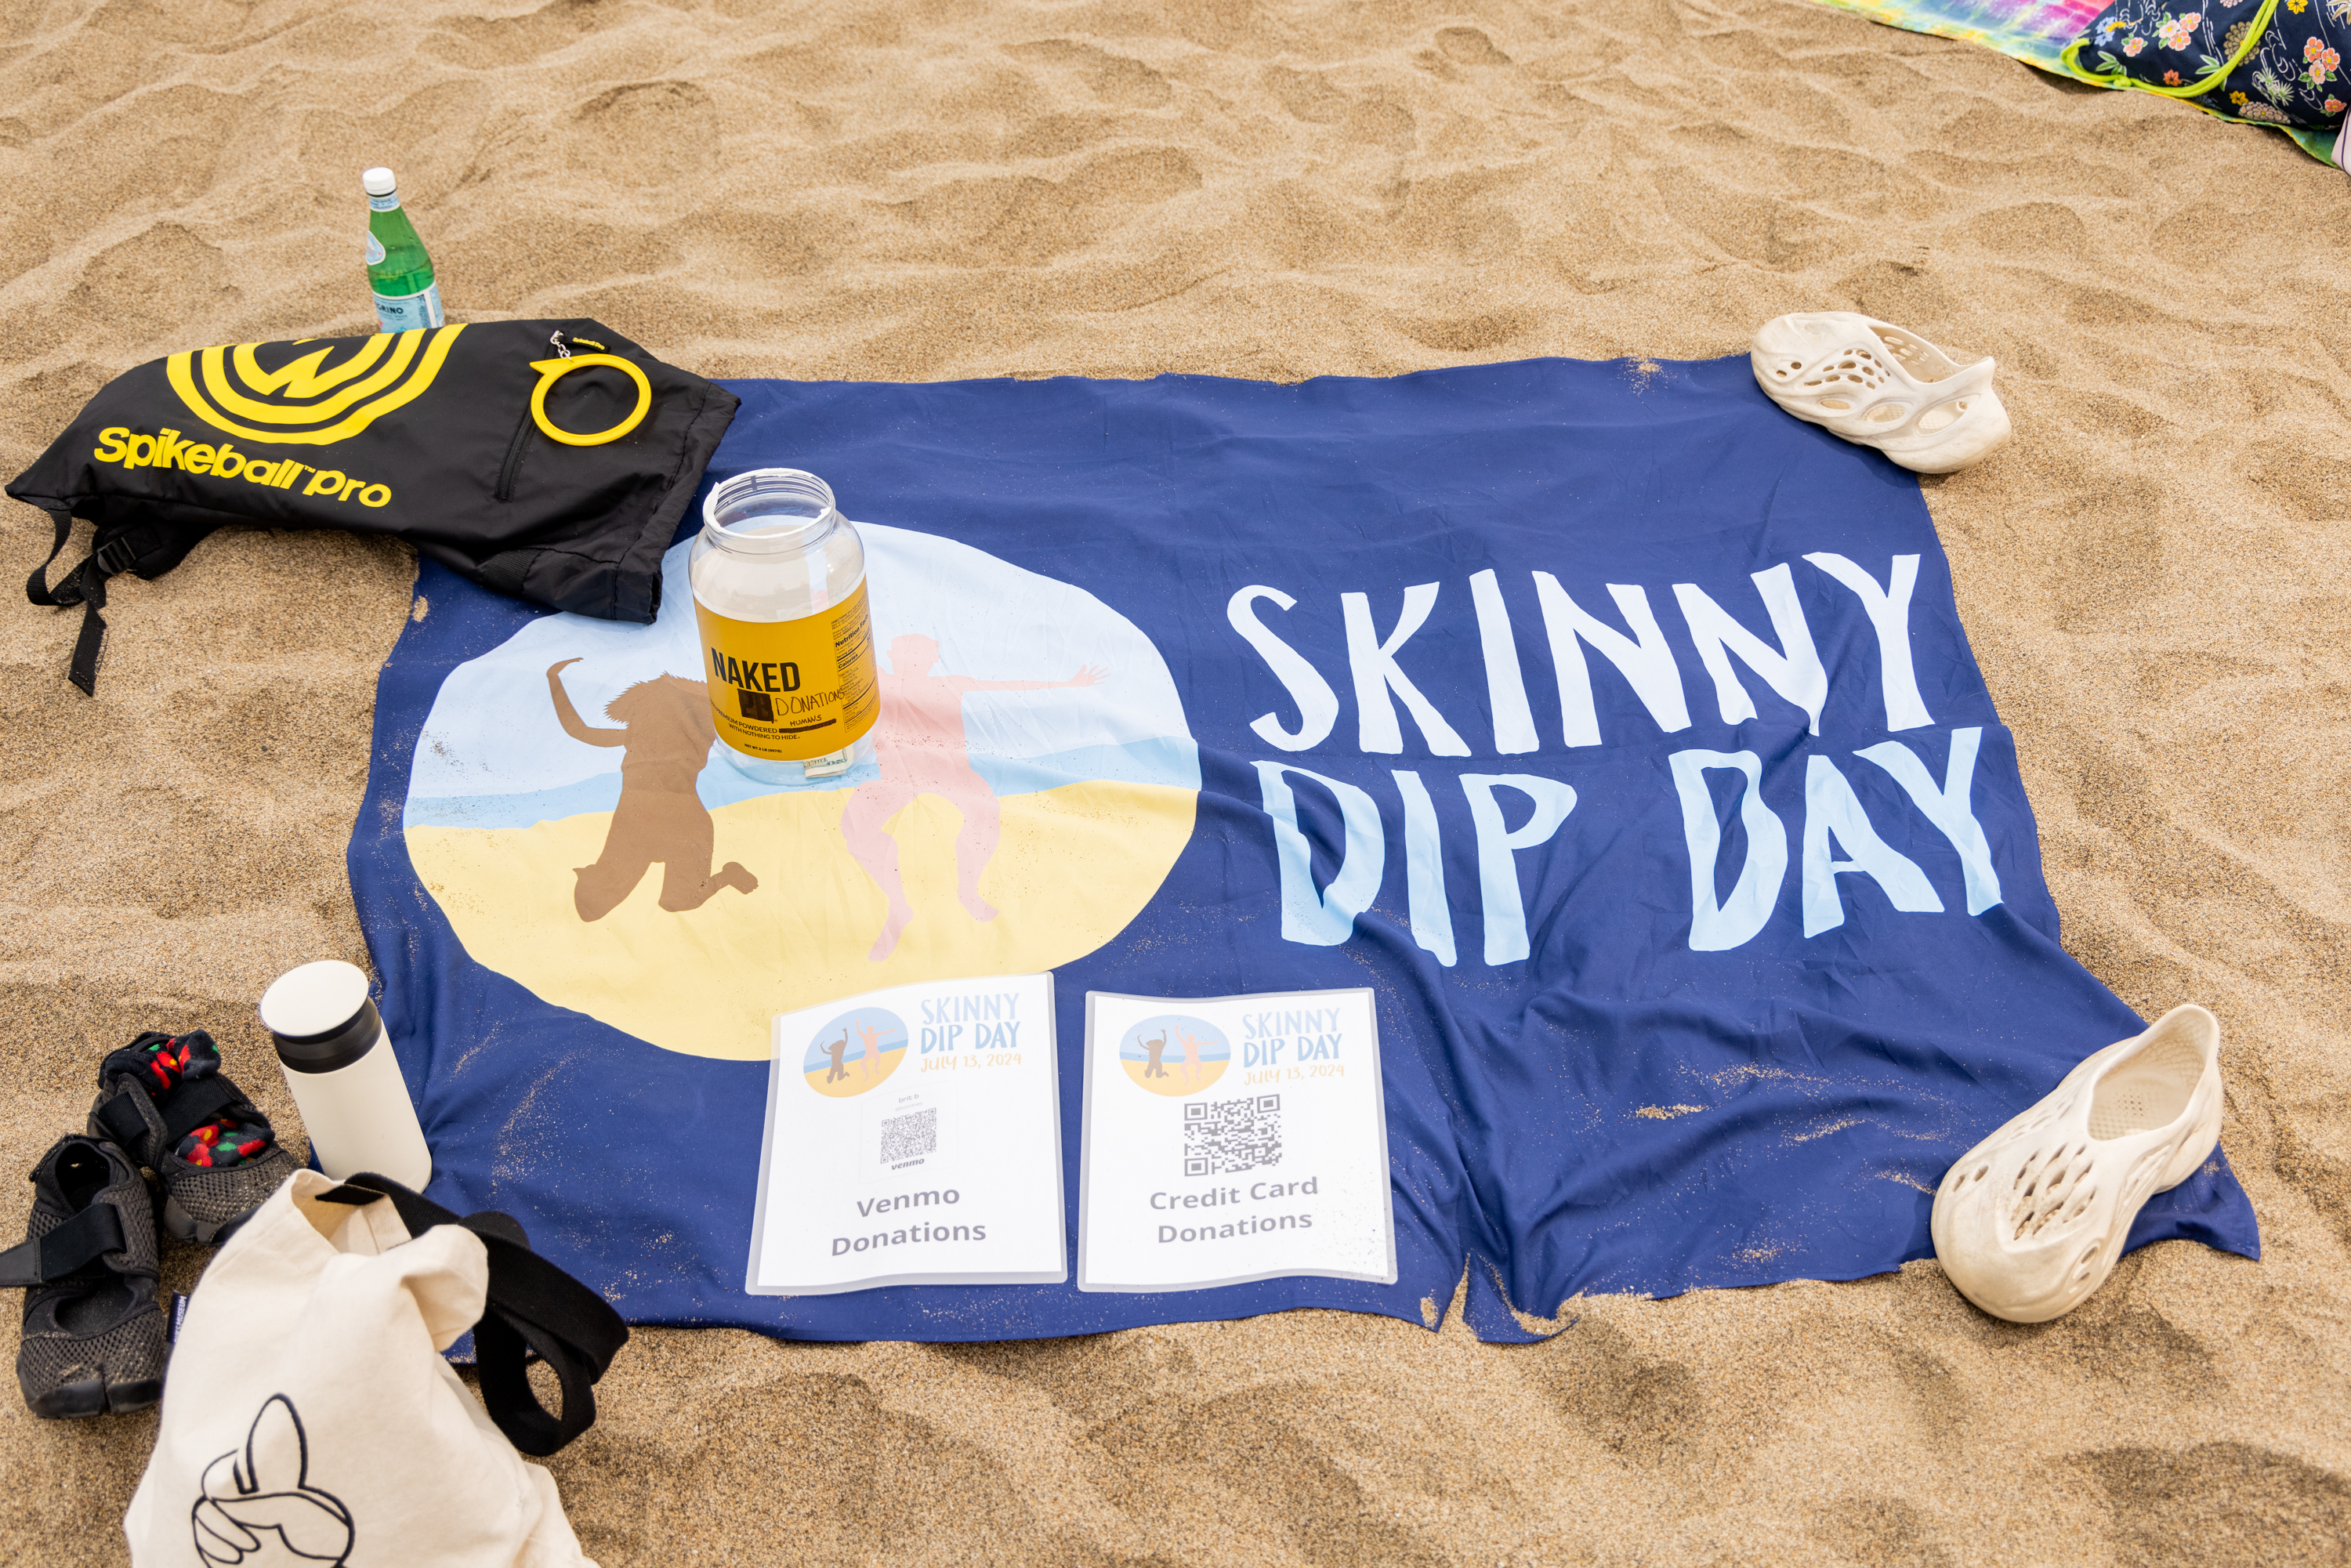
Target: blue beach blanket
x=1616, y=731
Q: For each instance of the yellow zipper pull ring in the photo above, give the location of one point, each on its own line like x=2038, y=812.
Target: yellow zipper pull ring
x=553, y=370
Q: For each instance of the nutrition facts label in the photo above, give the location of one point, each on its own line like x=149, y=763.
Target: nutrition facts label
x=912, y=1138
x=1230, y=1139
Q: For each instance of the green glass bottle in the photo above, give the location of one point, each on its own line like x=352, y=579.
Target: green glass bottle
x=399, y=271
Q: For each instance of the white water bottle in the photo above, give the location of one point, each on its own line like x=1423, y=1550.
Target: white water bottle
x=339, y=1067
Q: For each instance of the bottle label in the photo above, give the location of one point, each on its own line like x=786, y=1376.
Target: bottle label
x=398, y=313
x=374, y=249
x=786, y=690
x=384, y=204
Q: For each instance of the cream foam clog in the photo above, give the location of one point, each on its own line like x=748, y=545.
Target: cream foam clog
x=1877, y=384
x=2032, y=1219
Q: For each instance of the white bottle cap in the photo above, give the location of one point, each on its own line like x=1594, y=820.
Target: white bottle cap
x=315, y=999
x=378, y=182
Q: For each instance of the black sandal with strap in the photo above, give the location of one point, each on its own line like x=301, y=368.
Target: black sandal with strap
x=93, y=1330
x=159, y=1089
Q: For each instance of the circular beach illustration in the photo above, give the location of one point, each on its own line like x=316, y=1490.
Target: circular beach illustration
x=854, y=1053
x=1175, y=1054
x=1031, y=784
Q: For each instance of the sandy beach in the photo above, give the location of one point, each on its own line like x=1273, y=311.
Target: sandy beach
x=2153, y=576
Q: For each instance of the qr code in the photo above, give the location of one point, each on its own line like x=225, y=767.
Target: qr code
x=1222, y=1136
x=909, y=1137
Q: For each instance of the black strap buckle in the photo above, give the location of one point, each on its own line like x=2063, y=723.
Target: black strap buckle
x=116, y=556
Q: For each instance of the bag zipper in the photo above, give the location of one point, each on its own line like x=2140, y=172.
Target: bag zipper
x=507, y=470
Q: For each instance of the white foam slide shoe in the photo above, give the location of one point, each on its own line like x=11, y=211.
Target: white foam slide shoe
x=2032, y=1219
x=1880, y=385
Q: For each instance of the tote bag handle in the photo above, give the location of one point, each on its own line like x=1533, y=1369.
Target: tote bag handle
x=532, y=1303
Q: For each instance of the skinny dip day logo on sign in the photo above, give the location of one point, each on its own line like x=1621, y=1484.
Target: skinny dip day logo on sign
x=1174, y=1053
x=855, y=1051
x=930, y=1150
x=1275, y=1167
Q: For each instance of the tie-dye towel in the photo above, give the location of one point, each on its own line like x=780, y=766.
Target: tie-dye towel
x=2033, y=31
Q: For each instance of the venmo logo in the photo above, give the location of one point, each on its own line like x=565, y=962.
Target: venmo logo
x=117, y=444
x=307, y=401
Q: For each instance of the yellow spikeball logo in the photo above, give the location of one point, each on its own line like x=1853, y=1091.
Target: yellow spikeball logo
x=309, y=402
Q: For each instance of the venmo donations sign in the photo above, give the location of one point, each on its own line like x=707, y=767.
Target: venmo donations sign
x=1540, y=821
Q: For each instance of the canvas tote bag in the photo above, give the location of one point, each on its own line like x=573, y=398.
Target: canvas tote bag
x=308, y=1418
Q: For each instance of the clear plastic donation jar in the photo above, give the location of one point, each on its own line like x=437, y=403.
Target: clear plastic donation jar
x=779, y=578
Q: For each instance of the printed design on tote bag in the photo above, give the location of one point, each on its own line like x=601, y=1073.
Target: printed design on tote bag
x=307, y=401
x=265, y=1492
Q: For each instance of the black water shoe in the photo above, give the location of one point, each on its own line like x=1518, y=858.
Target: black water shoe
x=93, y=1331
x=165, y=1100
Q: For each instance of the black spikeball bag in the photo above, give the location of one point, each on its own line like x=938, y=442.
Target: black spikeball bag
x=549, y=460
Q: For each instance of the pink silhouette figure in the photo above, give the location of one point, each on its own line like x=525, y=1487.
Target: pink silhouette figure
x=921, y=746
x=871, y=1062
x=1192, y=1049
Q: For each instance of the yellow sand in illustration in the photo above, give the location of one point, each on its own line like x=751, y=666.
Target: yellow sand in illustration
x=1074, y=865
x=1179, y=1081
x=852, y=1082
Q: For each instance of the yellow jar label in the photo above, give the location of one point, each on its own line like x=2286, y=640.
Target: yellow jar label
x=791, y=690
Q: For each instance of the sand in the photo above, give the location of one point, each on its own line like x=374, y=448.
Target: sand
x=2152, y=576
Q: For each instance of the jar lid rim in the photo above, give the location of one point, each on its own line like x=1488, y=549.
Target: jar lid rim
x=770, y=530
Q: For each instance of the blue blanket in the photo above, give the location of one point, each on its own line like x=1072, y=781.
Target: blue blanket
x=1617, y=731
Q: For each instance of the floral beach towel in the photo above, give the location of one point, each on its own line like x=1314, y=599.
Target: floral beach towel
x=2275, y=62
x=2278, y=62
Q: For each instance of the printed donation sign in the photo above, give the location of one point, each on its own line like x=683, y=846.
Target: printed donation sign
x=1233, y=1138
x=913, y=1137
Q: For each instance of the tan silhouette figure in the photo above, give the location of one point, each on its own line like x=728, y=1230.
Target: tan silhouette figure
x=1157, y=1048
x=871, y=1062
x=666, y=734
x=1191, y=1048
x=922, y=748
x=835, y=1049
